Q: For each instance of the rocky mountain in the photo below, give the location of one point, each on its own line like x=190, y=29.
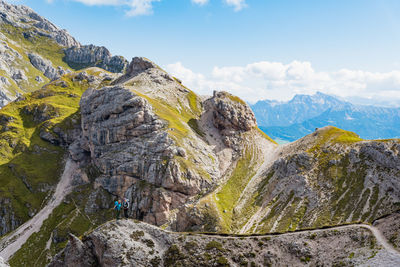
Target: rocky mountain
x=160, y=145
x=187, y=164
x=129, y=243
x=299, y=109
x=300, y=116
x=83, y=56
x=33, y=51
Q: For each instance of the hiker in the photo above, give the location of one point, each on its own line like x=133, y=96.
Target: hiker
x=125, y=205
x=117, y=208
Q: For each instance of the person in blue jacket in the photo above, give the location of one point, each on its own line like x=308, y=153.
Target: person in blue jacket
x=117, y=208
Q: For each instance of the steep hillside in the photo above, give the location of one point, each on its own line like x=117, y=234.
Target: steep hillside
x=34, y=132
x=300, y=116
x=33, y=51
x=326, y=178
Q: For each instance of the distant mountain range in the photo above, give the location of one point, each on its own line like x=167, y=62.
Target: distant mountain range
x=289, y=121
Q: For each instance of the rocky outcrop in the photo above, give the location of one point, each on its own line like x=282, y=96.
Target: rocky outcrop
x=8, y=220
x=232, y=117
x=79, y=57
x=127, y=243
x=130, y=147
x=24, y=17
x=23, y=32
x=46, y=67
x=4, y=99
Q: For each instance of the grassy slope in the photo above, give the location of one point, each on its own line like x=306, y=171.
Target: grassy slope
x=28, y=164
x=39, y=164
x=286, y=212
x=41, y=45
x=69, y=217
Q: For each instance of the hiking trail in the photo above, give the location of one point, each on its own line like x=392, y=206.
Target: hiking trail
x=14, y=241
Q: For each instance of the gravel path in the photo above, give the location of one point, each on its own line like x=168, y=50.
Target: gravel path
x=13, y=242
x=387, y=257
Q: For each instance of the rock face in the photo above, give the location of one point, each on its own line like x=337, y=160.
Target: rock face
x=144, y=151
x=33, y=51
x=91, y=55
x=46, y=67
x=23, y=17
x=129, y=151
x=24, y=36
x=231, y=116
x=127, y=243
x=8, y=220
x=389, y=226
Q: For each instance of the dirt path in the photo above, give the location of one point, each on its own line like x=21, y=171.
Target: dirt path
x=13, y=242
x=381, y=239
x=394, y=255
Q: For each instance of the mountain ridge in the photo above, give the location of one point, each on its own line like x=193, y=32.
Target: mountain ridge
x=33, y=52
x=186, y=163
x=300, y=116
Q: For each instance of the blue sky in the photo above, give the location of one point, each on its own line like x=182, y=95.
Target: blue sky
x=201, y=38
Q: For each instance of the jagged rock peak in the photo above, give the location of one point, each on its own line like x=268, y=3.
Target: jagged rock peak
x=24, y=17
x=142, y=65
x=91, y=55
x=139, y=65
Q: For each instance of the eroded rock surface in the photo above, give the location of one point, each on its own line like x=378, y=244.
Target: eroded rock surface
x=98, y=56
x=127, y=243
x=46, y=67
x=22, y=16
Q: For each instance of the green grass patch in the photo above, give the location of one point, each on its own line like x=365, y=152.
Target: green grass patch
x=30, y=166
x=332, y=135
x=230, y=192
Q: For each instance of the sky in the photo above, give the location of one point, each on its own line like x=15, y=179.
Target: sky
x=256, y=49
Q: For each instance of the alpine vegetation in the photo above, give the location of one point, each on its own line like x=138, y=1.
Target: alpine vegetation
x=106, y=162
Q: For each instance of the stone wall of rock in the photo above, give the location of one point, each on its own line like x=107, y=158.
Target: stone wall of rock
x=98, y=56
x=232, y=117
x=9, y=220
x=135, y=156
x=46, y=66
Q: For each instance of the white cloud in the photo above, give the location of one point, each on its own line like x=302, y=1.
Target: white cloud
x=134, y=7
x=145, y=7
x=200, y=2
x=237, y=4
x=275, y=80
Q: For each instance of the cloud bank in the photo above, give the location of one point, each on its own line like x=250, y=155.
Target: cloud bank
x=275, y=80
